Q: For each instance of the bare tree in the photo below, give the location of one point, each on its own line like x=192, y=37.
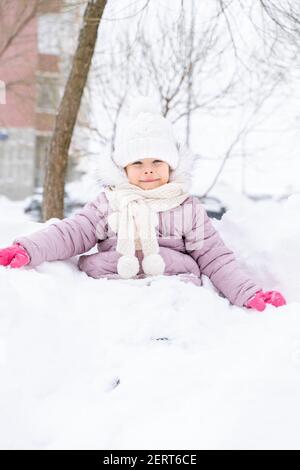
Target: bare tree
x=245, y=128
x=14, y=19
x=113, y=77
x=114, y=73
x=53, y=199
x=18, y=43
x=179, y=61
x=173, y=63
x=21, y=13
x=275, y=27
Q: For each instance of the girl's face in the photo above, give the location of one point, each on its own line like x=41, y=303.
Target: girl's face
x=148, y=173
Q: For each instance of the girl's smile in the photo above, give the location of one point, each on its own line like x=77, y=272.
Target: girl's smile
x=148, y=173
x=150, y=180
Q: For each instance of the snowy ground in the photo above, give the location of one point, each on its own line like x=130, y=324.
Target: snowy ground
x=81, y=367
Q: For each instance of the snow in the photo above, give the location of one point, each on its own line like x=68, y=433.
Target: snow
x=81, y=365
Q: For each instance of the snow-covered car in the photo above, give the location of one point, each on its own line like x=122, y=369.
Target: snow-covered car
x=33, y=205
x=214, y=207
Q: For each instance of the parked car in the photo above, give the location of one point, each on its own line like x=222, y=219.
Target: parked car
x=270, y=197
x=34, y=205
x=214, y=207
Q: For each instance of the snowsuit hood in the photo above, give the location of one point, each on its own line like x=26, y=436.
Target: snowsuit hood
x=108, y=173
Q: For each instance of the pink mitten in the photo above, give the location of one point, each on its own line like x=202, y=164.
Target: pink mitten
x=256, y=301
x=275, y=298
x=260, y=300
x=14, y=256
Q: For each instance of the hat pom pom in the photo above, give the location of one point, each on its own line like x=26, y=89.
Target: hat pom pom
x=153, y=265
x=144, y=104
x=128, y=266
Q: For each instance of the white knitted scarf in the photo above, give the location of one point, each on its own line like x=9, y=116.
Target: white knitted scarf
x=134, y=218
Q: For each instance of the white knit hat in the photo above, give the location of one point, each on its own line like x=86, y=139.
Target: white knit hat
x=147, y=134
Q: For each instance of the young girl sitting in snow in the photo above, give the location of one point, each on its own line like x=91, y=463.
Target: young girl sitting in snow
x=144, y=222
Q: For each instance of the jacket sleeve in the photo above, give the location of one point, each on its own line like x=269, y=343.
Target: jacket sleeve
x=67, y=237
x=216, y=260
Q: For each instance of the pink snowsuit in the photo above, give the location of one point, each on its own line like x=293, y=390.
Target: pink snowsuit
x=188, y=243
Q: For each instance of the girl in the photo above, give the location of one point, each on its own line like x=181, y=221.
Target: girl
x=144, y=221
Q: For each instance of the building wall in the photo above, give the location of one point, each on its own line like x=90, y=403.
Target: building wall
x=17, y=116
x=34, y=69
x=17, y=146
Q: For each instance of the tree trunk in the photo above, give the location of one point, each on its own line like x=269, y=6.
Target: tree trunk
x=57, y=161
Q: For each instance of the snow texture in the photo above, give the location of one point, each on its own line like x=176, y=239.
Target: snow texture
x=154, y=363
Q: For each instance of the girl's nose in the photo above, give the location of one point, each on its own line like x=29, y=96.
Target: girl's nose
x=148, y=170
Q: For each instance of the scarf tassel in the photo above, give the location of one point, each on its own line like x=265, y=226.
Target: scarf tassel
x=128, y=265
x=134, y=218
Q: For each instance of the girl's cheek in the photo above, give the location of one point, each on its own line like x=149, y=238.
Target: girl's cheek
x=136, y=174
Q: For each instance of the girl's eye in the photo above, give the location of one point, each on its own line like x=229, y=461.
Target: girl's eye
x=154, y=161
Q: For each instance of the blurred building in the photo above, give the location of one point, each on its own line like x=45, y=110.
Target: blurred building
x=36, y=49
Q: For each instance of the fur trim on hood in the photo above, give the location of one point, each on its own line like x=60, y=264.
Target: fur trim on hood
x=108, y=173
